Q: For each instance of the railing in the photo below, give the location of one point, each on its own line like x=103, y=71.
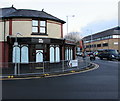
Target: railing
x=43, y=67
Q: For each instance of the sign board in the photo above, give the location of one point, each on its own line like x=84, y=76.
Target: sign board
x=73, y=63
x=40, y=41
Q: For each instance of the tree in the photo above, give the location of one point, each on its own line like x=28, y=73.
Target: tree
x=73, y=36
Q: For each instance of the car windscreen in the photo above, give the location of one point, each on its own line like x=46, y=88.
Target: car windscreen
x=113, y=51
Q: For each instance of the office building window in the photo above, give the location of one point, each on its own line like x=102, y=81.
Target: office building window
x=105, y=44
x=98, y=45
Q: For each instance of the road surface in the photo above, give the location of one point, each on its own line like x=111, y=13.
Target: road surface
x=101, y=83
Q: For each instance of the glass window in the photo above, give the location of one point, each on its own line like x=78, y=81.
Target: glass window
x=39, y=55
x=38, y=26
x=16, y=54
x=24, y=54
x=34, y=22
x=98, y=45
x=57, y=54
x=116, y=36
x=35, y=29
x=105, y=44
x=42, y=30
x=71, y=51
x=115, y=43
x=52, y=54
x=43, y=23
x=69, y=57
x=67, y=54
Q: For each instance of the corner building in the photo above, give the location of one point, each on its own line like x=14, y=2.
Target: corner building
x=32, y=36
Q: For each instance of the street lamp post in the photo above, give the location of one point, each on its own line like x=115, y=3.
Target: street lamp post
x=67, y=20
x=91, y=38
x=16, y=45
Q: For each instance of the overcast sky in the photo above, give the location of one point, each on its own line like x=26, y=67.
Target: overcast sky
x=91, y=16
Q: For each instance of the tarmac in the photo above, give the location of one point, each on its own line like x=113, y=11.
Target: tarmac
x=91, y=67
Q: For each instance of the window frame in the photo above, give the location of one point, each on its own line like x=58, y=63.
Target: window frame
x=105, y=44
x=39, y=26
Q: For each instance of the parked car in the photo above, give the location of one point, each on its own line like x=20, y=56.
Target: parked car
x=96, y=53
x=109, y=54
x=79, y=54
x=91, y=55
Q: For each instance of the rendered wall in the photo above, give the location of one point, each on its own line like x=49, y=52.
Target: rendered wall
x=54, y=29
x=24, y=26
x=4, y=26
x=1, y=31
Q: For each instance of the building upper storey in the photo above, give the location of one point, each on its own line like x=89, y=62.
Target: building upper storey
x=29, y=23
x=107, y=34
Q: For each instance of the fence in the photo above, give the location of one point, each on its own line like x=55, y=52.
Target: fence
x=43, y=67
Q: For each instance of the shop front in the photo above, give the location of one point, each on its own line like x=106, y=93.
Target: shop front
x=35, y=49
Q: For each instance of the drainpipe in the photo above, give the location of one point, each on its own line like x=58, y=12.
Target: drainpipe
x=4, y=40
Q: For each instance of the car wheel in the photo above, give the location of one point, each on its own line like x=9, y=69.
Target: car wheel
x=101, y=58
x=109, y=59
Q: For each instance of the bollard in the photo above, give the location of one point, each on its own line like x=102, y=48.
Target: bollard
x=63, y=65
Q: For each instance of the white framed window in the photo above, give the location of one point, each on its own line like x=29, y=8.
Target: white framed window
x=35, y=26
x=57, y=54
x=52, y=54
x=35, y=22
x=43, y=23
x=115, y=43
x=20, y=54
x=39, y=26
x=42, y=30
x=71, y=53
x=116, y=36
x=24, y=54
x=68, y=53
x=35, y=29
x=39, y=55
x=16, y=54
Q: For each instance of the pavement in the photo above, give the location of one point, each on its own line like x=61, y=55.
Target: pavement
x=53, y=74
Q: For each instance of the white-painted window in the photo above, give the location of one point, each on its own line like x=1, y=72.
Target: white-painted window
x=57, y=54
x=116, y=36
x=16, y=55
x=39, y=26
x=35, y=26
x=115, y=43
x=24, y=54
x=71, y=53
x=52, y=54
x=35, y=22
x=39, y=55
x=67, y=54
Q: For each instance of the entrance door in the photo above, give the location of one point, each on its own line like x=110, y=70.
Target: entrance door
x=39, y=55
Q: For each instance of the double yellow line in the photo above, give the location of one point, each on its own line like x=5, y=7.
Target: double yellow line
x=48, y=75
